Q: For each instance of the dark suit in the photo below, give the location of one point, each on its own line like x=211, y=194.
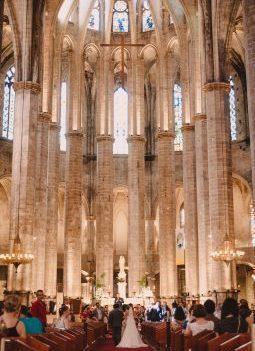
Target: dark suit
x=119, y=301
x=115, y=323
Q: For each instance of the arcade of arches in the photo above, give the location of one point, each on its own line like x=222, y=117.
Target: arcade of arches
x=144, y=151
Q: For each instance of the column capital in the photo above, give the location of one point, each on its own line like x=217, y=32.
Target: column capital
x=187, y=127
x=22, y=85
x=91, y=218
x=44, y=117
x=54, y=125
x=200, y=117
x=74, y=133
x=105, y=138
x=134, y=138
x=225, y=86
x=165, y=134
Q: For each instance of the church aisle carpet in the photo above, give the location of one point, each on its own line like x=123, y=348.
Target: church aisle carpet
x=107, y=345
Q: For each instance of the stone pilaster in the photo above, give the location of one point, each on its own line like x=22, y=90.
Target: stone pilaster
x=104, y=212
x=150, y=243
x=73, y=214
x=23, y=174
x=167, y=214
x=219, y=175
x=136, y=221
x=50, y=285
x=91, y=234
x=249, y=25
x=40, y=217
x=190, y=206
x=1, y=26
x=204, y=238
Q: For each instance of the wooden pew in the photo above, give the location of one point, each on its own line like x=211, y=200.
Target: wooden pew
x=154, y=334
x=234, y=342
x=214, y=344
x=15, y=344
x=95, y=330
x=202, y=343
x=245, y=347
x=177, y=340
x=191, y=342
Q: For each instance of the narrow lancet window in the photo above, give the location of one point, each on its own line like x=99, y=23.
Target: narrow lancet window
x=232, y=109
x=148, y=23
x=9, y=105
x=120, y=20
x=94, y=19
x=177, y=98
x=120, y=122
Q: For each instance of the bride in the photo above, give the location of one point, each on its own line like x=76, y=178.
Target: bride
x=130, y=337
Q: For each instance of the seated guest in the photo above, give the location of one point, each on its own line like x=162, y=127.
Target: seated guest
x=200, y=323
x=32, y=324
x=179, y=321
x=230, y=321
x=63, y=322
x=210, y=306
x=13, y=327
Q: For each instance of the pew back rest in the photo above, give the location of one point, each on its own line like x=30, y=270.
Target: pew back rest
x=245, y=347
x=8, y=344
x=234, y=342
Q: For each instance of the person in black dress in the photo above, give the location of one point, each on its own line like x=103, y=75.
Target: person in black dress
x=115, y=323
x=13, y=327
x=231, y=321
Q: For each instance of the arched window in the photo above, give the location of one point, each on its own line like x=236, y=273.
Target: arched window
x=148, y=23
x=120, y=22
x=63, y=110
x=120, y=122
x=232, y=109
x=94, y=17
x=177, y=97
x=9, y=100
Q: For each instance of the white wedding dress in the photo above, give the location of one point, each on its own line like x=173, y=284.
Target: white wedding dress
x=131, y=337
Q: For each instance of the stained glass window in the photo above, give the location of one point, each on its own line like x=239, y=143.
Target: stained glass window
x=232, y=109
x=63, y=110
x=120, y=22
x=148, y=23
x=9, y=104
x=120, y=122
x=94, y=17
x=178, y=142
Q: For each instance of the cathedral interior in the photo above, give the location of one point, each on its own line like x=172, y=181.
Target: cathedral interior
x=127, y=128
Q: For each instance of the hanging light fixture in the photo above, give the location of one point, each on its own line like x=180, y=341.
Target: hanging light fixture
x=227, y=253
x=17, y=257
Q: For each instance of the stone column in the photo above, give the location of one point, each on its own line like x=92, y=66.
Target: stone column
x=40, y=216
x=167, y=214
x=23, y=174
x=190, y=206
x=220, y=175
x=249, y=25
x=136, y=221
x=104, y=212
x=1, y=26
x=73, y=214
x=203, y=225
x=150, y=243
x=91, y=233
x=50, y=285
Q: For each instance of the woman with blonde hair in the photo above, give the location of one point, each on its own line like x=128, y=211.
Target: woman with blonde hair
x=13, y=327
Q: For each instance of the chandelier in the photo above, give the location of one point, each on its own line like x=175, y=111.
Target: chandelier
x=227, y=253
x=17, y=257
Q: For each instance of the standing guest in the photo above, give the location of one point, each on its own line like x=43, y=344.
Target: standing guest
x=63, y=322
x=119, y=300
x=99, y=312
x=201, y=322
x=115, y=323
x=38, y=308
x=13, y=327
x=165, y=311
x=230, y=321
x=174, y=306
x=106, y=313
x=32, y=324
x=244, y=311
x=86, y=313
x=210, y=306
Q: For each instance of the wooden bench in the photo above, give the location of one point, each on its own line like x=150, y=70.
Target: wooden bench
x=94, y=331
x=154, y=334
x=214, y=344
x=234, y=342
x=245, y=347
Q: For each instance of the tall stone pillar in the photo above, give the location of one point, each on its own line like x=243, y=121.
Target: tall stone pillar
x=249, y=25
x=190, y=206
x=203, y=225
x=73, y=214
x=104, y=212
x=40, y=216
x=23, y=174
x=167, y=214
x=150, y=243
x=1, y=26
x=50, y=284
x=136, y=221
x=220, y=175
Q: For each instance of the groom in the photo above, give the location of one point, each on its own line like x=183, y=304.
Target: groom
x=115, y=323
